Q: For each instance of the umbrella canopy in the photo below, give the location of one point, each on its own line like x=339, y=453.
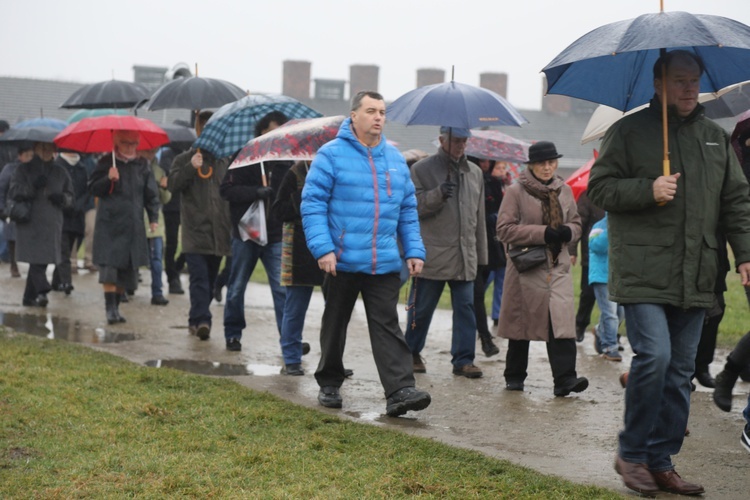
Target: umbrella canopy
x=740, y=134
x=731, y=101
x=295, y=140
x=94, y=135
x=194, y=92
x=579, y=180
x=108, y=94
x=453, y=104
x=30, y=134
x=180, y=136
x=91, y=113
x=232, y=125
x=494, y=145
x=613, y=64
x=42, y=122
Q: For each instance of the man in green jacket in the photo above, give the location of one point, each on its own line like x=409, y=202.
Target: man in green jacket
x=663, y=259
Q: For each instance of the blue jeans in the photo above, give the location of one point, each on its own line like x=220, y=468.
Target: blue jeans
x=156, y=251
x=424, y=296
x=295, y=308
x=657, y=398
x=609, y=320
x=497, y=277
x=245, y=255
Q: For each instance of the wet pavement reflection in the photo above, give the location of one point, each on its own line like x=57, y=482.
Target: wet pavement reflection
x=61, y=328
x=215, y=368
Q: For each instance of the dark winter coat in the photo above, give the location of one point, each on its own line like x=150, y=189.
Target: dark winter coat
x=298, y=266
x=74, y=218
x=120, y=238
x=5, y=176
x=39, y=241
x=590, y=215
x=240, y=188
x=493, y=197
x=669, y=254
x=203, y=212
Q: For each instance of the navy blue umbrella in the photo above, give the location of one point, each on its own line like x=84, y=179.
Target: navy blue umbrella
x=613, y=64
x=453, y=104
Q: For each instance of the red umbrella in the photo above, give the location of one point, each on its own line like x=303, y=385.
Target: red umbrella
x=579, y=180
x=94, y=135
x=295, y=140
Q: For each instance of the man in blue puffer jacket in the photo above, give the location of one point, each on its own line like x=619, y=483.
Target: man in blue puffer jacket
x=358, y=201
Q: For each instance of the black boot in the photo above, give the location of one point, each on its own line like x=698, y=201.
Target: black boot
x=488, y=346
x=110, y=301
x=118, y=298
x=725, y=381
x=703, y=376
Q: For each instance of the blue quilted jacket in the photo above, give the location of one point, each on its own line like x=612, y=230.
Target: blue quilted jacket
x=359, y=202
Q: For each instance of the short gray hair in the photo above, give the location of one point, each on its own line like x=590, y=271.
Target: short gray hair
x=357, y=99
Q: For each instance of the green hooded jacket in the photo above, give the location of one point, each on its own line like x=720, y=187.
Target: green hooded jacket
x=669, y=254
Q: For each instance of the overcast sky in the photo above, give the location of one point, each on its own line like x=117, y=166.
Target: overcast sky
x=246, y=41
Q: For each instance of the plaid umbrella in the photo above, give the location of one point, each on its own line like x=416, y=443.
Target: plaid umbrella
x=232, y=125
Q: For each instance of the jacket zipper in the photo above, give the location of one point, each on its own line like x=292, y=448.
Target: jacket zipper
x=377, y=210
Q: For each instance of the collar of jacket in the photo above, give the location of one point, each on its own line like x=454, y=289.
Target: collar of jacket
x=697, y=114
x=346, y=133
x=462, y=163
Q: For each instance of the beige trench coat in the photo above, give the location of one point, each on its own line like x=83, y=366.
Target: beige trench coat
x=530, y=299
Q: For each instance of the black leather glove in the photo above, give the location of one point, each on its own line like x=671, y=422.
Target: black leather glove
x=40, y=182
x=565, y=234
x=56, y=199
x=264, y=192
x=551, y=236
x=447, y=188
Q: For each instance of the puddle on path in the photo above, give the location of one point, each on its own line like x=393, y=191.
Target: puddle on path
x=61, y=328
x=214, y=367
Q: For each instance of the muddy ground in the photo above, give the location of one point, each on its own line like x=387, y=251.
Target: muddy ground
x=573, y=437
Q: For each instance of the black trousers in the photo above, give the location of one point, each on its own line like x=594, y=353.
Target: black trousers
x=562, y=360
x=480, y=310
x=707, y=344
x=62, y=273
x=389, y=349
x=586, y=301
x=36, y=281
x=171, y=238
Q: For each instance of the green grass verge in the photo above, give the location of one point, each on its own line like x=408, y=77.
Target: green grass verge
x=75, y=422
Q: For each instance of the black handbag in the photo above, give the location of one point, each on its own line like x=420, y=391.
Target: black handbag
x=19, y=211
x=525, y=258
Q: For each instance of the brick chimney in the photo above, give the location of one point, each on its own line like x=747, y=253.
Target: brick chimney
x=430, y=77
x=363, y=77
x=296, y=79
x=496, y=82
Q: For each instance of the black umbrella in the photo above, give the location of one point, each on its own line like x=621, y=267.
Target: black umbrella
x=108, y=94
x=30, y=134
x=180, y=136
x=193, y=93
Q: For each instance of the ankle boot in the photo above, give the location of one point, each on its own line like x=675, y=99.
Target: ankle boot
x=118, y=299
x=724, y=384
x=488, y=346
x=14, y=273
x=110, y=301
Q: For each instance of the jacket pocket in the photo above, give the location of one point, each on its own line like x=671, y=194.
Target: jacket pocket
x=714, y=164
x=708, y=267
x=646, y=259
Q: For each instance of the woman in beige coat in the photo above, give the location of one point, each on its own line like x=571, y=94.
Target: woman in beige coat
x=540, y=209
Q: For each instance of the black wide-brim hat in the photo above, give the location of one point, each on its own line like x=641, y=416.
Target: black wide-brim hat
x=542, y=151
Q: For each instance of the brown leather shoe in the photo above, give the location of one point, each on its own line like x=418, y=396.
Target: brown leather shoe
x=468, y=371
x=419, y=365
x=637, y=477
x=670, y=481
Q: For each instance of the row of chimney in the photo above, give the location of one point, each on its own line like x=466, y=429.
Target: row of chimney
x=297, y=79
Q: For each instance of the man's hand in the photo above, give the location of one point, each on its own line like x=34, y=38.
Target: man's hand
x=152, y=226
x=665, y=188
x=415, y=266
x=114, y=174
x=447, y=188
x=163, y=182
x=744, y=270
x=573, y=260
x=328, y=263
x=197, y=161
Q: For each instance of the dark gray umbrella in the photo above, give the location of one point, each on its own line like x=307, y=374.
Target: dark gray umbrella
x=30, y=134
x=731, y=103
x=193, y=93
x=180, y=136
x=109, y=94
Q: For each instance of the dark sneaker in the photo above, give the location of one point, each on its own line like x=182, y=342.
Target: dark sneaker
x=305, y=348
x=39, y=301
x=329, y=397
x=704, y=378
x=406, y=399
x=745, y=374
x=724, y=383
x=597, y=344
x=745, y=438
x=159, y=300
x=580, y=333
x=204, y=331
x=175, y=287
x=419, y=364
x=579, y=384
x=348, y=373
x=513, y=386
x=468, y=371
x=217, y=293
x=488, y=346
x=293, y=369
x=234, y=345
